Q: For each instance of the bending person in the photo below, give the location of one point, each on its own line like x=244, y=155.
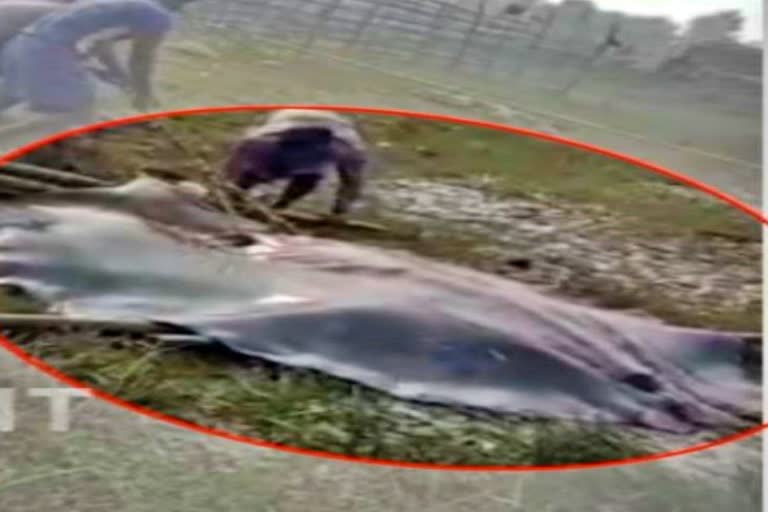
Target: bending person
x=44, y=66
x=300, y=147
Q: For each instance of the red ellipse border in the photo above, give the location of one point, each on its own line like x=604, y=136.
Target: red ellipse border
x=73, y=383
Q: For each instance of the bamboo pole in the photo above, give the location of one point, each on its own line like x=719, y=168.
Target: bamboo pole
x=45, y=175
x=35, y=179
x=14, y=184
x=310, y=219
x=220, y=189
x=469, y=36
x=159, y=332
x=27, y=321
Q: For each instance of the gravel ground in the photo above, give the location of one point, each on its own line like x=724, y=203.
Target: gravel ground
x=558, y=247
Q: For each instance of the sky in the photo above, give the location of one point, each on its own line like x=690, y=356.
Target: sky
x=683, y=10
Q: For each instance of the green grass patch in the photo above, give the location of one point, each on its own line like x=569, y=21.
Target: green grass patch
x=648, y=204
x=308, y=410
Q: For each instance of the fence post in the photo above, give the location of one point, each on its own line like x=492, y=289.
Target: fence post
x=590, y=61
x=279, y=10
x=536, y=42
x=427, y=42
x=365, y=23
x=501, y=46
x=322, y=18
x=467, y=41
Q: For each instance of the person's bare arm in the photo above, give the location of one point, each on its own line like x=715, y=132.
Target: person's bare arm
x=350, y=168
x=141, y=68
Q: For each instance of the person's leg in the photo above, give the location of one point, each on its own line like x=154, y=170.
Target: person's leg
x=11, y=91
x=297, y=188
x=13, y=132
x=7, y=102
x=57, y=88
x=54, y=87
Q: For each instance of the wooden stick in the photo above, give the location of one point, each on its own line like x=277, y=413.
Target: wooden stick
x=10, y=323
x=159, y=332
x=35, y=178
x=220, y=190
x=46, y=174
x=257, y=209
x=15, y=321
x=15, y=184
x=307, y=218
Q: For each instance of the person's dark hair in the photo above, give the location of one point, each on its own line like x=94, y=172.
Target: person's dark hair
x=308, y=135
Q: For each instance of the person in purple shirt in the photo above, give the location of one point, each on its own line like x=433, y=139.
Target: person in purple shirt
x=44, y=67
x=300, y=147
x=15, y=15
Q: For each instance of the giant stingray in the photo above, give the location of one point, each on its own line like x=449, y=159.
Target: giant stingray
x=412, y=327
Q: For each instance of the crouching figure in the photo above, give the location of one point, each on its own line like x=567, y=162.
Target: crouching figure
x=301, y=147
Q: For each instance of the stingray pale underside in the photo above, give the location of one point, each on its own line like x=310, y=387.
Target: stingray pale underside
x=409, y=326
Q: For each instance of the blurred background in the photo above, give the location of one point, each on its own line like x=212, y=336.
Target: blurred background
x=677, y=85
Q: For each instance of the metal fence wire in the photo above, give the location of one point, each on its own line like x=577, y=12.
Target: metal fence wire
x=551, y=48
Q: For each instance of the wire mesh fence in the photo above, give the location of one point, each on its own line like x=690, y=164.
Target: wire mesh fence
x=553, y=49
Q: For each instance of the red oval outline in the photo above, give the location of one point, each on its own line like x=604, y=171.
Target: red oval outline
x=73, y=383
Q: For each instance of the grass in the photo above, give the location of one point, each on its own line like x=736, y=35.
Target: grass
x=519, y=166
x=531, y=168
x=309, y=410
x=12, y=301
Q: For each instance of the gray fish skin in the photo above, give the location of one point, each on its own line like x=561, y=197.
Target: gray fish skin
x=412, y=327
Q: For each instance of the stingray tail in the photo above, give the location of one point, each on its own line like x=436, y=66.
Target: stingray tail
x=752, y=352
x=750, y=343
